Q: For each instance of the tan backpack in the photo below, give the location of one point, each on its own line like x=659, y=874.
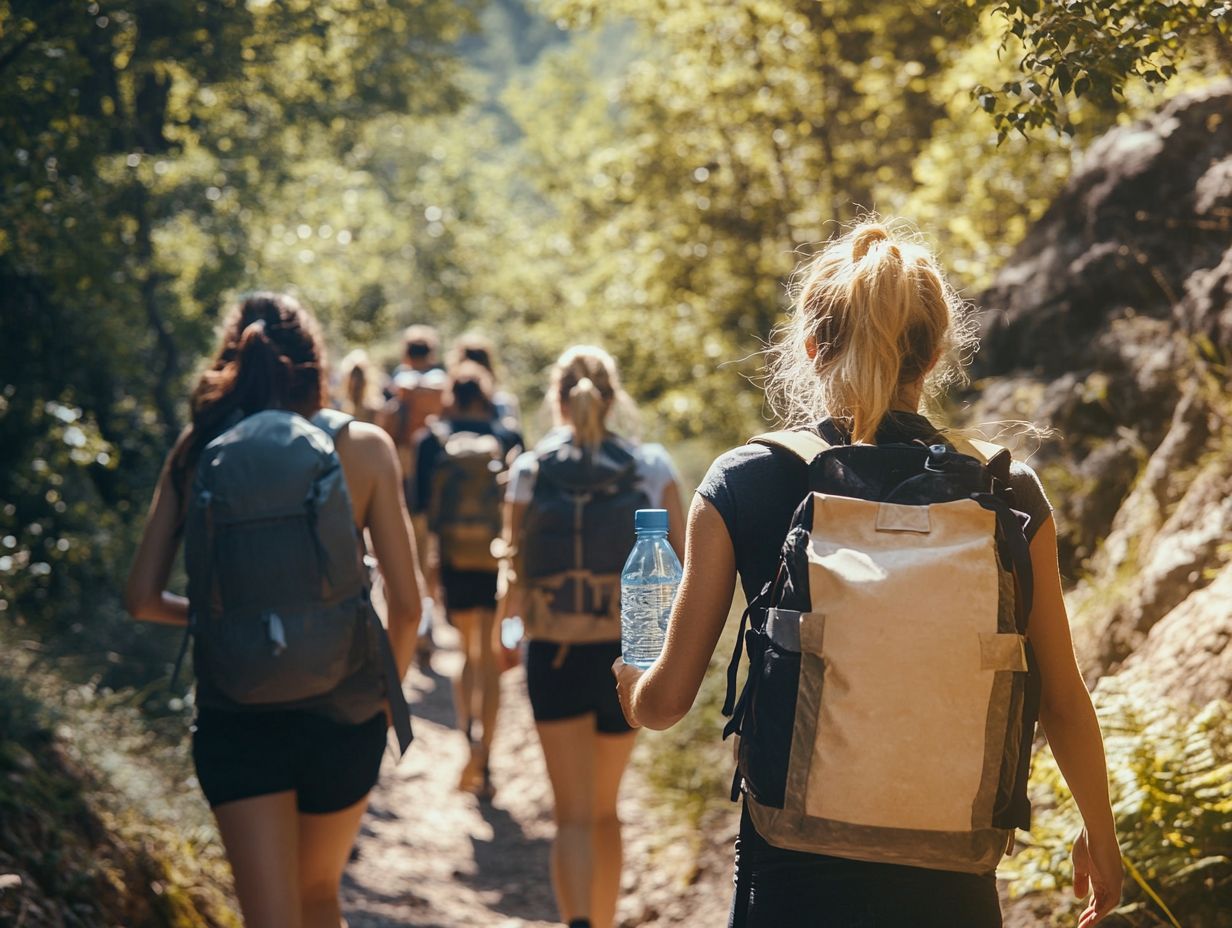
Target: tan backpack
x=892, y=694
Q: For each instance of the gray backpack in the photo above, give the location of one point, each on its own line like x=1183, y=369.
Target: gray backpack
x=577, y=534
x=280, y=611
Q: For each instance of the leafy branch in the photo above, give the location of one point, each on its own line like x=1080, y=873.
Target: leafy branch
x=1092, y=49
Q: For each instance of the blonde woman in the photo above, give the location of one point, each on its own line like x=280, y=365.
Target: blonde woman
x=569, y=527
x=873, y=324
x=361, y=393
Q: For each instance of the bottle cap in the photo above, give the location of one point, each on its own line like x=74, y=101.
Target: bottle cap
x=650, y=520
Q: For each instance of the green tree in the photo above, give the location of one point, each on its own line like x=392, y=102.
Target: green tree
x=143, y=142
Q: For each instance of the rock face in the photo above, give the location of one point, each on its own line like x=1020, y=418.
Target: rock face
x=1112, y=326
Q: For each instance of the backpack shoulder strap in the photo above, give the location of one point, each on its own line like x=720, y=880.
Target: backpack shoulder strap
x=993, y=456
x=331, y=421
x=804, y=444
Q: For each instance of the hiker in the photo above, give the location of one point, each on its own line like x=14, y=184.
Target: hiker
x=458, y=490
x=361, y=394
x=565, y=583
x=417, y=390
x=420, y=349
x=471, y=346
x=270, y=494
x=903, y=634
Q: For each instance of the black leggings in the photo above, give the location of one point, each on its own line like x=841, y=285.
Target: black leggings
x=776, y=888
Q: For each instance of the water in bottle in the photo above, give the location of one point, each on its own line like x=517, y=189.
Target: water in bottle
x=647, y=588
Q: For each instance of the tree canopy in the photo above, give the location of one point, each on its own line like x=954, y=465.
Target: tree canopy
x=643, y=174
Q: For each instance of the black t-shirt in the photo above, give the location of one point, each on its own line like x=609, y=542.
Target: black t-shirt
x=429, y=450
x=756, y=490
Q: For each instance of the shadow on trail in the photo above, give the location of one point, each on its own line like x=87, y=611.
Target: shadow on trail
x=431, y=694
x=503, y=863
x=374, y=911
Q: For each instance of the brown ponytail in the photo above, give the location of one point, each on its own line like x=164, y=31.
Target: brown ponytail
x=270, y=356
x=469, y=388
x=872, y=318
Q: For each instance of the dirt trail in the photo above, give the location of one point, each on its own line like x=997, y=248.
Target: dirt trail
x=430, y=855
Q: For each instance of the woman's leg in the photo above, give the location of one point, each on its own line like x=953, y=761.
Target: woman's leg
x=465, y=620
x=611, y=757
x=261, y=837
x=489, y=677
x=325, y=843
x=569, y=750
x=478, y=693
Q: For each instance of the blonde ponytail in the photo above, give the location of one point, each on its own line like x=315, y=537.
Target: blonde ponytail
x=585, y=388
x=872, y=317
x=586, y=413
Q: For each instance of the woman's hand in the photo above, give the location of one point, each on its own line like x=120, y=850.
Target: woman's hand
x=626, y=678
x=1097, y=868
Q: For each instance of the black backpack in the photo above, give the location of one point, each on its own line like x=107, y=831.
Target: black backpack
x=892, y=695
x=279, y=601
x=578, y=531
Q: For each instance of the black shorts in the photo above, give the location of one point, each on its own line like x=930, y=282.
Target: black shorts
x=329, y=765
x=468, y=589
x=582, y=684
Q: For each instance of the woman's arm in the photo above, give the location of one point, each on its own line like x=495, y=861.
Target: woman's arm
x=1072, y=728
x=510, y=585
x=661, y=696
x=370, y=452
x=145, y=594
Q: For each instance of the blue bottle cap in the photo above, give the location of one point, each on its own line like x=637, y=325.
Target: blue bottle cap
x=650, y=520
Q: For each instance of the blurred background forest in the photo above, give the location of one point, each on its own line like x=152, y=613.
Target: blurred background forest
x=643, y=174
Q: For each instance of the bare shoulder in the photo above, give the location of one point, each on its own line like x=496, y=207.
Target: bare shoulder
x=367, y=448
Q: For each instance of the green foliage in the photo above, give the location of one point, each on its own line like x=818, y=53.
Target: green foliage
x=1092, y=49
x=148, y=145
x=94, y=815
x=640, y=173
x=1171, y=776
x=779, y=119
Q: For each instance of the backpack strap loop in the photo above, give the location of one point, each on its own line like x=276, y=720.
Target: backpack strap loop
x=803, y=443
x=399, y=712
x=993, y=456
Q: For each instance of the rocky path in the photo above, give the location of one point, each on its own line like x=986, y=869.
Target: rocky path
x=430, y=855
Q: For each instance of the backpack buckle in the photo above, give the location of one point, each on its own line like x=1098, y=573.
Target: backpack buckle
x=937, y=457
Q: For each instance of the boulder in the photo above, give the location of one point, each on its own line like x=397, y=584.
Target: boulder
x=1188, y=654
x=1111, y=329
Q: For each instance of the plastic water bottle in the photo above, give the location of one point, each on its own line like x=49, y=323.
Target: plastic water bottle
x=647, y=588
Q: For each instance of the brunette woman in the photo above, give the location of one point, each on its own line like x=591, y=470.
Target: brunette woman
x=459, y=460
x=287, y=786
